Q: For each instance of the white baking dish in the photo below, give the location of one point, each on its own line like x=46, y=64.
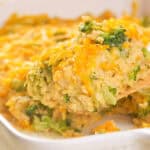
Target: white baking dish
x=12, y=139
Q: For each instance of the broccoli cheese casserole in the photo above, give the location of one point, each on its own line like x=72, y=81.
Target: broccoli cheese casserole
x=61, y=76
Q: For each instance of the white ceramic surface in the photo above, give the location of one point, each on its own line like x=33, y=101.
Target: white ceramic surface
x=12, y=139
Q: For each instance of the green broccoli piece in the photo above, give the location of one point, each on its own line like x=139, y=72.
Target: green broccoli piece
x=108, y=95
x=66, y=98
x=45, y=123
x=30, y=110
x=113, y=90
x=146, y=53
x=115, y=38
x=134, y=72
x=86, y=27
x=41, y=124
x=37, y=109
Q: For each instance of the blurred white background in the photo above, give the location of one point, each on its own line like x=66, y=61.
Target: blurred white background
x=68, y=8
x=65, y=8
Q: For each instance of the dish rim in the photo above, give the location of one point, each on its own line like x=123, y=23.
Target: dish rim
x=42, y=139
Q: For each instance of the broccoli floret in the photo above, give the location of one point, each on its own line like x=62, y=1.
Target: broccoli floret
x=109, y=95
x=113, y=90
x=41, y=124
x=41, y=119
x=134, y=72
x=38, y=109
x=45, y=123
x=30, y=110
x=86, y=27
x=146, y=53
x=115, y=38
x=66, y=98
